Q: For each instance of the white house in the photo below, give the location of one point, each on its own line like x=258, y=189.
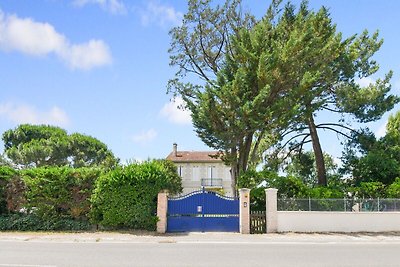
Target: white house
x=201, y=169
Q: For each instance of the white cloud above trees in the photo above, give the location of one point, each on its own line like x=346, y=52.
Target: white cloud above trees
x=23, y=113
x=34, y=38
x=115, y=7
x=160, y=14
x=174, y=112
x=145, y=137
x=364, y=82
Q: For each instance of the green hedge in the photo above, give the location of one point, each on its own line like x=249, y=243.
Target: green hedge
x=32, y=222
x=56, y=192
x=127, y=196
x=6, y=174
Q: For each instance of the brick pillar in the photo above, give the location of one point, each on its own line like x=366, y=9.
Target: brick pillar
x=162, y=206
x=271, y=197
x=244, y=211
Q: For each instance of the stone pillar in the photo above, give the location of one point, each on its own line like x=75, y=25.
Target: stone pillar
x=162, y=206
x=271, y=197
x=244, y=211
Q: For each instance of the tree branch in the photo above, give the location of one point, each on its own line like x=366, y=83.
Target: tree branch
x=336, y=125
x=336, y=131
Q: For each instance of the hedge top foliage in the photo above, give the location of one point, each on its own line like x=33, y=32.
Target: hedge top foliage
x=6, y=173
x=127, y=196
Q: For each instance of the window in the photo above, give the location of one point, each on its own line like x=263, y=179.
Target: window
x=180, y=170
x=211, y=172
x=196, y=173
x=227, y=174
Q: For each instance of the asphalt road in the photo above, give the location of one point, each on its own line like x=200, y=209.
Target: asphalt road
x=215, y=251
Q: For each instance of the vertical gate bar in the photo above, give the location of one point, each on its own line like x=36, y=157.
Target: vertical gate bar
x=202, y=210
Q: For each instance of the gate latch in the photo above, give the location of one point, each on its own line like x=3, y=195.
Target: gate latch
x=199, y=208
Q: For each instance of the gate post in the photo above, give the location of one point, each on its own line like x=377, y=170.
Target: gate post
x=162, y=206
x=244, y=211
x=271, y=198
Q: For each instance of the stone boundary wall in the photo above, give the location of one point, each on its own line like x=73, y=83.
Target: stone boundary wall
x=327, y=221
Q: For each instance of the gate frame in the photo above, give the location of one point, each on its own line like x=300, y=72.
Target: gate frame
x=244, y=211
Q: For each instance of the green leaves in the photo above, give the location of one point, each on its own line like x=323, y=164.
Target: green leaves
x=41, y=145
x=55, y=192
x=127, y=196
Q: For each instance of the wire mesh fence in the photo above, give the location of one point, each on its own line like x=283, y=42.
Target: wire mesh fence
x=345, y=204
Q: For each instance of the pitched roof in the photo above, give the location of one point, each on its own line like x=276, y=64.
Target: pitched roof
x=194, y=156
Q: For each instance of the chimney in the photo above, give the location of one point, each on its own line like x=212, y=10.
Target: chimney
x=175, y=149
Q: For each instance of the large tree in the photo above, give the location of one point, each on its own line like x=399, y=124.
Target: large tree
x=257, y=83
x=262, y=79
x=368, y=159
x=43, y=145
x=199, y=48
x=330, y=67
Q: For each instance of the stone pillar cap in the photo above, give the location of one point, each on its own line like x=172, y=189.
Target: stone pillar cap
x=271, y=189
x=244, y=189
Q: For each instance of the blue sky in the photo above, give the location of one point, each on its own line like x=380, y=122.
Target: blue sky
x=100, y=67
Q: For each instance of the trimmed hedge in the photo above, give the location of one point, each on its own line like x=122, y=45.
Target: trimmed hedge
x=32, y=222
x=127, y=196
x=6, y=174
x=59, y=192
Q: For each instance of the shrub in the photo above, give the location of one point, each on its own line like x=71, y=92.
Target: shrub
x=370, y=190
x=6, y=174
x=257, y=198
x=58, y=192
x=32, y=222
x=325, y=192
x=291, y=187
x=127, y=196
x=393, y=190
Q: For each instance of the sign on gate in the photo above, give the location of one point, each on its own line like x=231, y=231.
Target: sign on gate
x=203, y=211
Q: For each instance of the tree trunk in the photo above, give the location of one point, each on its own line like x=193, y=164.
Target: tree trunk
x=319, y=156
x=234, y=171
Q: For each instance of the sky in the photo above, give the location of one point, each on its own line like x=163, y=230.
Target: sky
x=100, y=67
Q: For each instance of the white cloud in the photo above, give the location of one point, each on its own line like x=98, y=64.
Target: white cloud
x=145, y=136
x=174, y=112
x=364, y=82
x=162, y=15
x=337, y=161
x=39, y=39
x=381, y=132
x=112, y=6
x=29, y=114
x=88, y=55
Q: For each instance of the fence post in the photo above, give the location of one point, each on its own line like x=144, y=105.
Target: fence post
x=271, y=198
x=162, y=206
x=244, y=211
x=379, y=209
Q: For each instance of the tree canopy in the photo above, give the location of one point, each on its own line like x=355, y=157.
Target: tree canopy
x=368, y=159
x=44, y=145
x=262, y=79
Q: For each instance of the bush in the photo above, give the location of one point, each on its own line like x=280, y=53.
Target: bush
x=393, y=190
x=127, y=196
x=290, y=187
x=325, y=192
x=370, y=190
x=32, y=222
x=6, y=174
x=257, y=198
x=59, y=192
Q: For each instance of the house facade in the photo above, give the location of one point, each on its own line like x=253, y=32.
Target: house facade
x=200, y=169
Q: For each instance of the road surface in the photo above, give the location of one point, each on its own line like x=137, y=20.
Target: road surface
x=201, y=250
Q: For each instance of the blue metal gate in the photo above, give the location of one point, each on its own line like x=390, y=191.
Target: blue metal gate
x=203, y=211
